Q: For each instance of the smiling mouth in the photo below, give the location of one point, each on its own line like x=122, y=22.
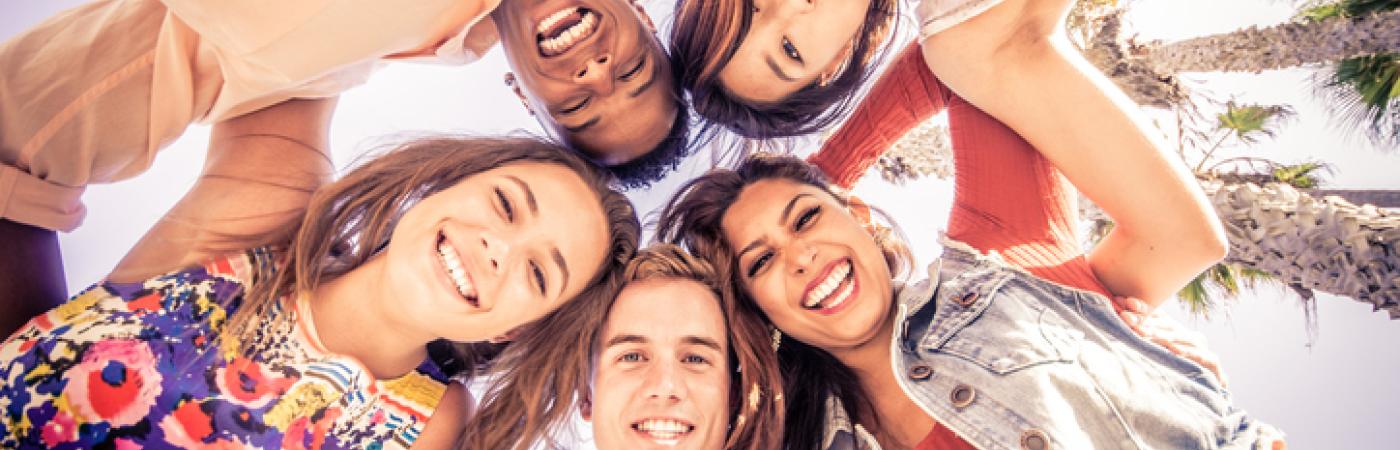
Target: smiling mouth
x=832, y=291
x=452, y=264
x=665, y=431
x=565, y=28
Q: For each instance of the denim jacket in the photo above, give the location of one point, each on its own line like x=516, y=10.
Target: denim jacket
x=1007, y=360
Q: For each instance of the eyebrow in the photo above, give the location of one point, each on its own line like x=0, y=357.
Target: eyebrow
x=625, y=339
x=702, y=341
x=787, y=210
x=581, y=127
x=687, y=340
x=773, y=64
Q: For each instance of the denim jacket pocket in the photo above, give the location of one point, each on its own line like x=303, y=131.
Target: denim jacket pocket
x=1009, y=328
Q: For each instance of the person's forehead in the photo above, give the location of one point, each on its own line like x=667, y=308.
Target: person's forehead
x=631, y=125
x=663, y=309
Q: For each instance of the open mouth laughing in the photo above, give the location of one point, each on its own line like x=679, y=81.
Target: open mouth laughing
x=452, y=264
x=663, y=431
x=565, y=28
x=829, y=293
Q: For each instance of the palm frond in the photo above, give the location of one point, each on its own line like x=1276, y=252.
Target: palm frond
x=1249, y=122
x=1301, y=176
x=1363, y=94
x=1221, y=282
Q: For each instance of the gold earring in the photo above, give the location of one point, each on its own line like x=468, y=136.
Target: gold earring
x=777, y=339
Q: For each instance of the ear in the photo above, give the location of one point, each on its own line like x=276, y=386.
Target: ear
x=642, y=14
x=585, y=406
x=514, y=86
x=837, y=65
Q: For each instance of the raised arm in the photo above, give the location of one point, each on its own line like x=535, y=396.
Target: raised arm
x=257, y=179
x=904, y=96
x=1014, y=62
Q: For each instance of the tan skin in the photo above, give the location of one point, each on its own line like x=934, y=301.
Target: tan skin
x=664, y=356
x=1002, y=60
x=789, y=234
x=609, y=95
x=523, y=261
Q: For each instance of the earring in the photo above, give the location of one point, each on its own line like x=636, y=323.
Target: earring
x=777, y=339
x=825, y=78
x=510, y=82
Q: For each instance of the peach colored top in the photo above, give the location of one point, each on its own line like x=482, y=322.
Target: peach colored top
x=93, y=93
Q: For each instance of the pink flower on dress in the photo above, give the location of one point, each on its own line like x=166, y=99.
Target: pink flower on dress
x=245, y=382
x=117, y=382
x=61, y=429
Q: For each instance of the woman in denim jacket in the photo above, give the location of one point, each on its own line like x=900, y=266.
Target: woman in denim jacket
x=1012, y=341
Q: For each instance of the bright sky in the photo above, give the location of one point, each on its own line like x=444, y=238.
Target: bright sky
x=1337, y=393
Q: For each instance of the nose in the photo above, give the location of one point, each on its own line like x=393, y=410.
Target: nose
x=496, y=249
x=664, y=383
x=788, y=8
x=801, y=257
x=597, y=73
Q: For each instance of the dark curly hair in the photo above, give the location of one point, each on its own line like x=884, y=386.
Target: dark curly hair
x=653, y=165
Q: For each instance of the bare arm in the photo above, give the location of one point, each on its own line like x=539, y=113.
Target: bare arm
x=1014, y=62
x=258, y=177
x=448, y=420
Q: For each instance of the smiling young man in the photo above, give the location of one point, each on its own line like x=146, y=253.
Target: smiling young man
x=668, y=366
x=91, y=95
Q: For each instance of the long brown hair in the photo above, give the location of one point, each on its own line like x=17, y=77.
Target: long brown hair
x=350, y=220
x=693, y=217
x=505, y=422
x=706, y=34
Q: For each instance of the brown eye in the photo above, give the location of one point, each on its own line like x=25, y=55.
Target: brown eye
x=539, y=276
x=791, y=50
x=758, y=263
x=806, y=218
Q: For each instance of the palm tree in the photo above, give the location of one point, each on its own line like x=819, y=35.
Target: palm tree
x=1147, y=70
x=1278, y=232
x=1364, y=91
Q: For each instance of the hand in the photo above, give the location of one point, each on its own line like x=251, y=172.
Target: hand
x=1170, y=334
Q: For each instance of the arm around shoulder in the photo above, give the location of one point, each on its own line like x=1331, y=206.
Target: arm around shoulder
x=1015, y=63
x=257, y=179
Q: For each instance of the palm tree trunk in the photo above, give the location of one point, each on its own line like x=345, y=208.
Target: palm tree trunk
x=1328, y=244
x=1147, y=71
x=1380, y=198
x=1280, y=46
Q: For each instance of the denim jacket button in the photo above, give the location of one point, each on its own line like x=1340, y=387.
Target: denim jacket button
x=1034, y=440
x=962, y=396
x=967, y=299
x=920, y=372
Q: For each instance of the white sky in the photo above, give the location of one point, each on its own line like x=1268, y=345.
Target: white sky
x=1340, y=392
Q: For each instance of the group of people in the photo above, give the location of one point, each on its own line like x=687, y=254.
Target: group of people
x=278, y=306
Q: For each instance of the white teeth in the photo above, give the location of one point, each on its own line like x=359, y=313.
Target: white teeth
x=569, y=37
x=453, y=263
x=553, y=19
x=823, y=290
x=663, y=428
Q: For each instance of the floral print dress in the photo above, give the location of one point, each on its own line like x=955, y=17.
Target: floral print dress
x=142, y=365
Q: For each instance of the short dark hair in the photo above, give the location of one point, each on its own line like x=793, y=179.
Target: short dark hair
x=653, y=165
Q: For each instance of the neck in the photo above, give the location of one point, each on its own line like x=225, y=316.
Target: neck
x=896, y=421
x=350, y=319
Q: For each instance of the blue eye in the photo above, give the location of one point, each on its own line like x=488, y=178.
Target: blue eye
x=695, y=359
x=630, y=357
